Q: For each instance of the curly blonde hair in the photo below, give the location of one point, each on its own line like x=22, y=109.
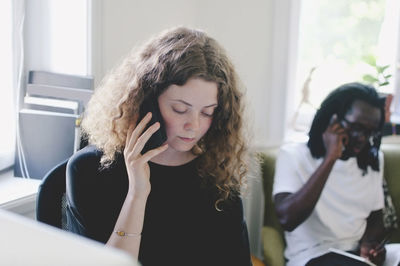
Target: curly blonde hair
x=173, y=57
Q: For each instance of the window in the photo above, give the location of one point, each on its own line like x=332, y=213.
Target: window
x=335, y=39
x=7, y=111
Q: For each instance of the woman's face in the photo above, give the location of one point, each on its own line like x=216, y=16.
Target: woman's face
x=187, y=111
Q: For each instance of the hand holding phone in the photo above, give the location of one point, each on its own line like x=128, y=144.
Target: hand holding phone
x=135, y=160
x=335, y=138
x=150, y=104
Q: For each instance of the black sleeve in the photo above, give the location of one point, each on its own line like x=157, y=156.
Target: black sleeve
x=94, y=197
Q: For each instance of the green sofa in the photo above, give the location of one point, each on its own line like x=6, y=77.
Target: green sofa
x=272, y=234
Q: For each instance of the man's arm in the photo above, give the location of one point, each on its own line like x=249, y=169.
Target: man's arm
x=293, y=208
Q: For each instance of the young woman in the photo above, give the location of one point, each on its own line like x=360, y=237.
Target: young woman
x=178, y=203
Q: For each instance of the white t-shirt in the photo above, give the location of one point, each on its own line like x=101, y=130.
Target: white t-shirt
x=339, y=217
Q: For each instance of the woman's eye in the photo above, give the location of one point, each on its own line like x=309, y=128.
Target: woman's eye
x=179, y=111
x=208, y=114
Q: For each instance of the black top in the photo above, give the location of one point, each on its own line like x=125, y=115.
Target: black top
x=181, y=224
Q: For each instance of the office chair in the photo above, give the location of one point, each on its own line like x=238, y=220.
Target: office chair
x=50, y=201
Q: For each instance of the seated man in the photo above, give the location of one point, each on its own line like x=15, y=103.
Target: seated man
x=328, y=192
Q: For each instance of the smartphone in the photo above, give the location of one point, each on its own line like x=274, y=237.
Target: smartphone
x=150, y=104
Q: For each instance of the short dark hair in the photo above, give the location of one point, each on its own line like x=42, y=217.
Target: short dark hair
x=339, y=102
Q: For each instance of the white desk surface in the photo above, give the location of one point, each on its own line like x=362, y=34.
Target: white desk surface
x=14, y=189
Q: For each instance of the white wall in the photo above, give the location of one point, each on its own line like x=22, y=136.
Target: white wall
x=244, y=28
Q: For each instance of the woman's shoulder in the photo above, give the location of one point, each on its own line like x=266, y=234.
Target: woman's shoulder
x=85, y=160
x=85, y=155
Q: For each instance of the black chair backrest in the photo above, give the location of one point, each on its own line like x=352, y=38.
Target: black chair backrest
x=50, y=195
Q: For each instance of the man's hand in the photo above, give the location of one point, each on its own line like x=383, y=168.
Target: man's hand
x=373, y=251
x=335, y=138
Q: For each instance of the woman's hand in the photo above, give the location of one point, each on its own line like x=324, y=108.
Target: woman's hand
x=335, y=138
x=137, y=164
x=373, y=252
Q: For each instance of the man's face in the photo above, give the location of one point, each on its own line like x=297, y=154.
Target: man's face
x=362, y=124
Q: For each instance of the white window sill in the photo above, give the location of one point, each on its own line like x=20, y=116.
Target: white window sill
x=18, y=194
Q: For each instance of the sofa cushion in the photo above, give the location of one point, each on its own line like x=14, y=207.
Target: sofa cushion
x=273, y=252
x=392, y=175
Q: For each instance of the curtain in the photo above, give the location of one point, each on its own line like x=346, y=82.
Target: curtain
x=19, y=76
x=11, y=26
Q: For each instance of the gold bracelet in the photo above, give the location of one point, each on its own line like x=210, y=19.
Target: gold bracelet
x=123, y=233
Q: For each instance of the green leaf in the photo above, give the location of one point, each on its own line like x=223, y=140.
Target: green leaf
x=387, y=76
x=369, y=78
x=380, y=69
x=383, y=84
x=370, y=60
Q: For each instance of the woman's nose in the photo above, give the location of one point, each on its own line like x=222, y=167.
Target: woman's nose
x=192, y=123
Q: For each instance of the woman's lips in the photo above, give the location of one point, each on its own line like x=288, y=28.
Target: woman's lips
x=187, y=139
